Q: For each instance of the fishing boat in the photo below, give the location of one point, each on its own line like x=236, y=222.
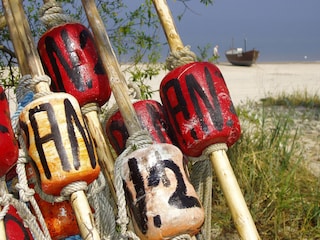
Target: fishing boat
x=242, y=57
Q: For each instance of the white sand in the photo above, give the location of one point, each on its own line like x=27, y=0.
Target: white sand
x=263, y=79
x=255, y=82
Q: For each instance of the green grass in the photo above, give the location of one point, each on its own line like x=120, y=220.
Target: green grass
x=297, y=98
x=282, y=195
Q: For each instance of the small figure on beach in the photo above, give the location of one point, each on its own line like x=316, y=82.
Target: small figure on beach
x=216, y=55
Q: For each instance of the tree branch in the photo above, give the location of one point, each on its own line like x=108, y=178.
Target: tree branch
x=7, y=50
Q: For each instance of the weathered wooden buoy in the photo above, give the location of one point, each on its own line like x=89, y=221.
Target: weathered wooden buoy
x=204, y=121
x=59, y=216
x=161, y=199
x=15, y=229
x=9, y=148
x=151, y=117
x=70, y=58
x=58, y=142
x=9, y=151
x=199, y=107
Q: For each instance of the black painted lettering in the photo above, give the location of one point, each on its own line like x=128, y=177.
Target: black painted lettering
x=74, y=70
x=157, y=174
x=197, y=93
x=72, y=122
x=157, y=121
x=3, y=96
x=180, y=106
x=85, y=37
x=157, y=221
x=3, y=129
x=54, y=136
x=139, y=209
x=118, y=135
x=16, y=225
x=179, y=198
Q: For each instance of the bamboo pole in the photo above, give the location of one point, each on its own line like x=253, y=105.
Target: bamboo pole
x=111, y=65
x=27, y=53
x=22, y=62
x=231, y=189
x=168, y=25
x=103, y=150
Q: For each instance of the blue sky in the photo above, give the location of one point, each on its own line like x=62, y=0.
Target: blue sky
x=283, y=30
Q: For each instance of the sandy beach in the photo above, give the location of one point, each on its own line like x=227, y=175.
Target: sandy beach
x=252, y=83
x=263, y=80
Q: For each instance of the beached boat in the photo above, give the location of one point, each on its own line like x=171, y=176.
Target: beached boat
x=240, y=57
x=237, y=56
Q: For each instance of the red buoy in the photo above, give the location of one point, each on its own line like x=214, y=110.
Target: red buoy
x=151, y=116
x=9, y=149
x=14, y=226
x=199, y=107
x=70, y=58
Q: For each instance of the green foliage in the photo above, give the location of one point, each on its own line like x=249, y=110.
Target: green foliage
x=205, y=54
x=297, y=98
x=133, y=32
x=269, y=163
x=141, y=74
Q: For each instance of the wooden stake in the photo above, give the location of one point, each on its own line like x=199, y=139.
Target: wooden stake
x=105, y=157
x=23, y=64
x=103, y=150
x=237, y=205
x=167, y=22
x=111, y=65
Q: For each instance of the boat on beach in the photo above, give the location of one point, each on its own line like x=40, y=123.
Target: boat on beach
x=242, y=57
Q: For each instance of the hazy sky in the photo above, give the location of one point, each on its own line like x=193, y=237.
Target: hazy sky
x=283, y=30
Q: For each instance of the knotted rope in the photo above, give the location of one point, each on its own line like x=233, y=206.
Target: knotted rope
x=24, y=96
x=180, y=57
x=52, y=14
x=99, y=197
x=5, y=198
x=138, y=140
x=26, y=194
x=201, y=178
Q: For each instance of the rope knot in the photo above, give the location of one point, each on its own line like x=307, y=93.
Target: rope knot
x=139, y=140
x=25, y=193
x=214, y=147
x=41, y=79
x=5, y=199
x=180, y=57
x=52, y=14
x=24, y=87
x=74, y=187
x=90, y=107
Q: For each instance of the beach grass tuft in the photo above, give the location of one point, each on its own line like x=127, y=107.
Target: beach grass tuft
x=297, y=98
x=269, y=163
